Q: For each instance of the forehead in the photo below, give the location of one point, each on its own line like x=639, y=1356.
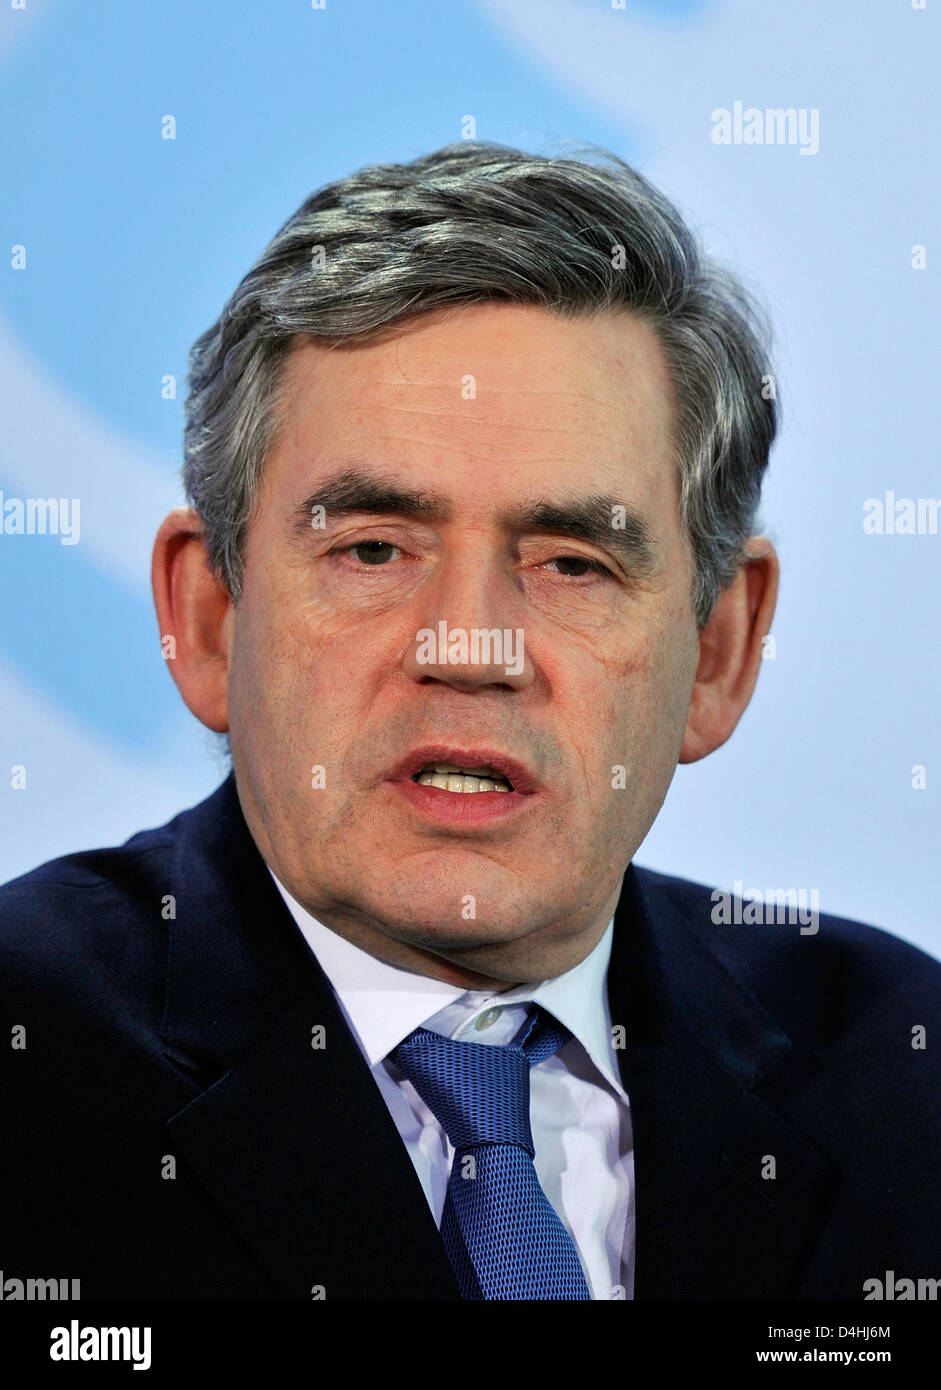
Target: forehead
x=489, y=396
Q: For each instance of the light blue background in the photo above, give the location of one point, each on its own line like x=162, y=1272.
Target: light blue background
x=135, y=242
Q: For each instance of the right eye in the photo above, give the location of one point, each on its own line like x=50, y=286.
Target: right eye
x=370, y=552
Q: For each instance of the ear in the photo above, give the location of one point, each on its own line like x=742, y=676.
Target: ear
x=730, y=647
x=195, y=611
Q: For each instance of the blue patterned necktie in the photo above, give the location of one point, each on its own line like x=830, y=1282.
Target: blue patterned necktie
x=501, y=1234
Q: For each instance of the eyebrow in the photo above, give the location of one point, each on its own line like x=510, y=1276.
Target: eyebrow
x=583, y=517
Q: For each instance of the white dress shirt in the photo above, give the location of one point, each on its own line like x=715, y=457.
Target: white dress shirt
x=579, y=1111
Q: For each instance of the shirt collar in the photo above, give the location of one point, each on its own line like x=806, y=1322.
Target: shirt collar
x=383, y=1003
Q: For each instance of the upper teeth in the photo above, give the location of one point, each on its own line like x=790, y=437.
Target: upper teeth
x=456, y=779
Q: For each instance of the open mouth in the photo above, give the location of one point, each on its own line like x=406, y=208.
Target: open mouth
x=449, y=778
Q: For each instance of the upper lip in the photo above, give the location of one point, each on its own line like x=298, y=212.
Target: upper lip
x=517, y=774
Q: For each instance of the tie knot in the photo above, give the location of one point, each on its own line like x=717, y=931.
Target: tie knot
x=478, y=1092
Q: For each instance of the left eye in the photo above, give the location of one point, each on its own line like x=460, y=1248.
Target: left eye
x=588, y=566
x=369, y=552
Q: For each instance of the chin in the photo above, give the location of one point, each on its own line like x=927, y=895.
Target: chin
x=436, y=921
x=454, y=897
x=460, y=936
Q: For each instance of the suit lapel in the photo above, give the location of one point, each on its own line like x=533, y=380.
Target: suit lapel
x=296, y=1146
x=708, y=1224
x=293, y=1141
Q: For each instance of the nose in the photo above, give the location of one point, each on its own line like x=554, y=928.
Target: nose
x=470, y=627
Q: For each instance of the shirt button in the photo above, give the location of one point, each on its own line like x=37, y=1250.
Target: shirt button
x=485, y=1019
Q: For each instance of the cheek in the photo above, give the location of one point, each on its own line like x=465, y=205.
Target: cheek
x=651, y=702
x=266, y=675
x=299, y=685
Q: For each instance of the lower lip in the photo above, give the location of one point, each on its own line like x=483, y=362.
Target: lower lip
x=462, y=808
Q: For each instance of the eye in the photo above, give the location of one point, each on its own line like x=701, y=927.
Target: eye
x=588, y=566
x=369, y=552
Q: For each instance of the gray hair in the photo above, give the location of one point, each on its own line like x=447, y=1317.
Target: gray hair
x=474, y=223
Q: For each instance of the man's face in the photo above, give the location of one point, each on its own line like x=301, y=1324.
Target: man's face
x=498, y=425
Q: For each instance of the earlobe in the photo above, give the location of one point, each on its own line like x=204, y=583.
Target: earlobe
x=730, y=652
x=193, y=609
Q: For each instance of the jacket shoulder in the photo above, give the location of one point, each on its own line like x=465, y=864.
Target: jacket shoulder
x=706, y=909
x=817, y=974
x=89, y=923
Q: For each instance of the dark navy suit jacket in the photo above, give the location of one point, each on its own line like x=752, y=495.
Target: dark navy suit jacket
x=159, y=1045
